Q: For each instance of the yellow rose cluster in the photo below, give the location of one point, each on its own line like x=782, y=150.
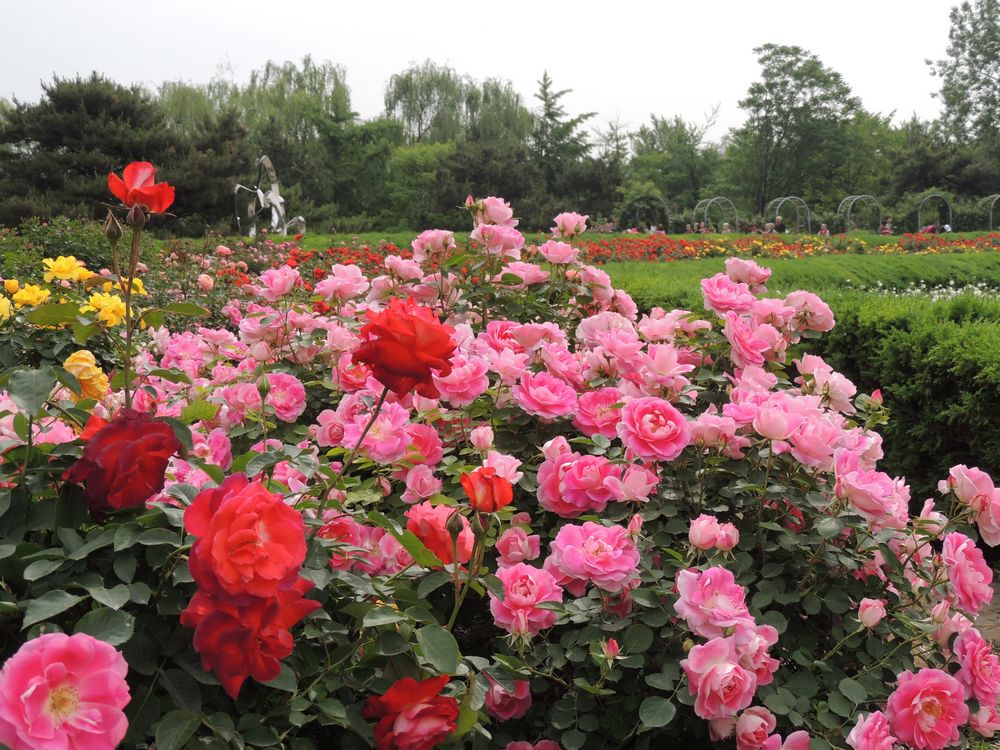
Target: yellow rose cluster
x=65, y=268
x=110, y=308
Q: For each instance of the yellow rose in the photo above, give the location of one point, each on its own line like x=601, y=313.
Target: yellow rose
x=11, y=285
x=4, y=308
x=93, y=381
x=65, y=268
x=110, y=308
x=137, y=287
x=30, y=295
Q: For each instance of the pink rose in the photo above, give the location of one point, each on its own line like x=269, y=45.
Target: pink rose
x=506, y=466
x=343, y=283
x=872, y=733
x=729, y=537
x=927, y=708
x=558, y=253
x=493, y=210
x=711, y=601
x=871, y=612
x=753, y=727
x=971, y=486
x=986, y=721
x=604, y=555
x=635, y=485
x=432, y=243
x=287, y=396
x=748, y=272
x=811, y=313
x=597, y=414
x=481, y=438
x=524, y=589
x=583, y=486
x=752, y=647
x=277, y=282
x=968, y=572
x=723, y=295
x=515, y=545
x=703, y=532
x=569, y=225
x=205, y=282
x=498, y=240
x=505, y=705
x=529, y=273
x=544, y=396
x=465, y=383
x=722, y=686
x=653, y=429
x=979, y=670
x=420, y=484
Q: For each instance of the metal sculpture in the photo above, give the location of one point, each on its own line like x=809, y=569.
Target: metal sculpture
x=263, y=202
x=848, y=205
x=920, y=209
x=800, y=206
x=705, y=204
x=993, y=202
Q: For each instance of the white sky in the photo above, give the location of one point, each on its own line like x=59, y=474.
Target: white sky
x=623, y=59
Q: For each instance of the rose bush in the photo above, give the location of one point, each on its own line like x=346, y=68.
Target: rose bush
x=507, y=510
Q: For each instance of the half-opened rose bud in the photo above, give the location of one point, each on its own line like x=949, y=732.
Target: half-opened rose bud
x=487, y=492
x=871, y=612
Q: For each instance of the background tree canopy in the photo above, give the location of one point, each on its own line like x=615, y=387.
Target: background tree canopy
x=444, y=135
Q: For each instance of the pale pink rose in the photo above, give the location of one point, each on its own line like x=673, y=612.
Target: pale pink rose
x=811, y=313
x=988, y=520
x=636, y=484
x=582, y=486
x=506, y=466
x=753, y=727
x=569, y=225
x=872, y=733
x=930, y=520
x=603, y=555
x=515, y=545
x=499, y=240
x=550, y=474
x=723, y=688
x=403, y=268
x=927, y=708
x=241, y=400
x=558, y=253
x=703, y=532
x=747, y=272
x=971, y=486
x=729, y=537
x=529, y=273
x=223, y=251
x=343, y=283
x=544, y=395
x=535, y=335
x=871, y=612
x=598, y=282
x=980, y=670
x=504, y=705
x=872, y=494
x=524, y=589
x=387, y=439
x=481, y=438
x=968, y=573
x=752, y=344
x=394, y=555
x=287, y=396
x=713, y=430
x=711, y=601
x=465, y=383
x=432, y=243
x=723, y=295
x=589, y=330
x=63, y=692
x=493, y=210
x=205, y=282
x=795, y=741
x=425, y=445
x=653, y=429
x=555, y=447
x=772, y=311
x=277, y=282
x=508, y=364
x=753, y=645
x=420, y=484
x=986, y=721
x=328, y=430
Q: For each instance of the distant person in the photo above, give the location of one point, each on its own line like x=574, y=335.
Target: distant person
x=824, y=230
x=713, y=230
x=725, y=227
x=779, y=225
x=946, y=228
x=769, y=228
x=753, y=229
x=886, y=228
x=929, y=229
x=688, y=229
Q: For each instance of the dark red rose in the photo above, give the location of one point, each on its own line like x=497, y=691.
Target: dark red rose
x=405, y=342
x=413, y=715
x=123, y=464
x=249, y=640
x=138, y=188
x=487, y=491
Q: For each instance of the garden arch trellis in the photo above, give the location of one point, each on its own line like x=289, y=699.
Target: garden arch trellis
x=993, y=202
x=800, y=206
x=705, y=205
x=920, y=209
x=848, y=205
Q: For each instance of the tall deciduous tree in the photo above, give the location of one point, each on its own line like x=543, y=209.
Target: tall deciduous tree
x=673, y=154
x=428, y=99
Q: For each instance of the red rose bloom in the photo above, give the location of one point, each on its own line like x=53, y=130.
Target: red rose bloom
x=240, y=641
x=413, y=715
x=487, y=492
x=123, y=463
x=404, y=343
x=138, y=187
x=429, y=523
x=250, y=543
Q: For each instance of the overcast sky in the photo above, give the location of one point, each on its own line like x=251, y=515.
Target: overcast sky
x=623, y=59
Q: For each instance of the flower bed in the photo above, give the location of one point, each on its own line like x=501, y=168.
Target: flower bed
x=468, y=498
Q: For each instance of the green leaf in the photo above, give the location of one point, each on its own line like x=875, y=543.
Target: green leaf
x=381, y=616
x=440, y=648
x=199, y=411
x=829, y=527
x=637, y=639
x=176, y=728
x=171, y=376
x=431, y=582
x=107, y=625
x=48, y=604
x=574, y=739
x=41, y=568
x=656, y=712
x=53, y=315
x=182, y=689
x=152, y=537
x=29, y=389
x=853, y=690
x=285, y=681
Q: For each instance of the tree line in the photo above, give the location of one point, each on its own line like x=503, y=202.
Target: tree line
x=444, y=135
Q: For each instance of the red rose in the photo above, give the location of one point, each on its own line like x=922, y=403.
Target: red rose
x=404, y=343
x=487, y=492
x=413, y=715
x=123, y=463
x=430, y=525
x=250, y=543
x=240, y=641
x=138, y=187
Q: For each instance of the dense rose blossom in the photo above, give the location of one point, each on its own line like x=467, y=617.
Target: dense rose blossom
x=753, y=644
x=420, y=484
x=603, y=555
x=559, y=253
x=711, y=601
x=493, y=210
x=504, y=705
x=138, y=188
x=597, y=414
x=343, y=283
x=705, y=532
x=499, y=240
x=515, y=545
x=429, y=523
x=238, y=641
x=927, y=708
x=584, y=486
x=287, y=396
x=250, y=543
x=545, y=396
x=123, y=464
x=342, y=528
x=722, y=686
x=968, y=572
x=465, y=383
x=388, y=438
x=425, y=445
x=569, y=225
x=872, y=733
x=653, y=429
x=525, y=587
x=63, y=692
x=636, y=484
x=723, y=295
x=487, y=491
x=979, y=668
x=871, y=612
x=403, y=345
x=747, y=272
x=753, y=727
x=971, y=486
x=811, y=313
x=872, y=494
x=412, y=715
